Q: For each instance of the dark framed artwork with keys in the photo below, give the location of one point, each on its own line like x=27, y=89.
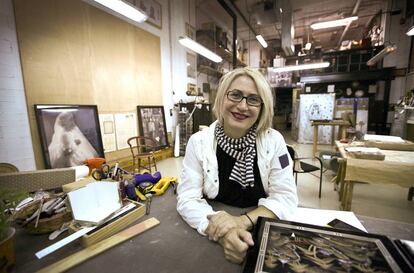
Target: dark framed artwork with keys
x=151, y=123
x=69, y=134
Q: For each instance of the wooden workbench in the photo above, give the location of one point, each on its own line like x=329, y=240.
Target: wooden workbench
x=342, y=124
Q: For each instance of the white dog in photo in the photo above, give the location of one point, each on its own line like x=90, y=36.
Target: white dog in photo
x=69, y=147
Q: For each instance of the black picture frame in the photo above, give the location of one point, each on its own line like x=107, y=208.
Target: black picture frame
x=282, y=246
x=151, y=123
x=69, y=134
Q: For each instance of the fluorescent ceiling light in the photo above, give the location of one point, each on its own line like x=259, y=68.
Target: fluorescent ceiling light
x=301, y=67
x=261, y=40
x=124, y=9
x=334, y=23
x=410, y=32
x=387, y=50
x=196, y=47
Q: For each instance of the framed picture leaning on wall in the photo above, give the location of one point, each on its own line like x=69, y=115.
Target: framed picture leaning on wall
x=69, y=134
x=151, y=122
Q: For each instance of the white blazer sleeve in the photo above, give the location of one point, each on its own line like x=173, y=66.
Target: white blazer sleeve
x=190, y=202
x=282, y=197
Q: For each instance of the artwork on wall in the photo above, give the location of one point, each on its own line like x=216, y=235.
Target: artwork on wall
x=151, y=121
x=125, y=127
x=315, y=107
x=69, y=134
x=153, y=9
x=107, y=124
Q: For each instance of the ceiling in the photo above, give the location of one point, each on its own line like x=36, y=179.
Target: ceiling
x=264, y=19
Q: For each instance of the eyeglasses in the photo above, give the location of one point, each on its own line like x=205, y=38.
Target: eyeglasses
x=237, y=96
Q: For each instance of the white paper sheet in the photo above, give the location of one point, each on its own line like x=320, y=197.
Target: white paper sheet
x=383, y=138
x=125, y=127
x=372, y=150
x=321, y=217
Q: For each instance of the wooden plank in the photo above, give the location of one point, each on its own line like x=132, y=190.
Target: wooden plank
x=100, y=247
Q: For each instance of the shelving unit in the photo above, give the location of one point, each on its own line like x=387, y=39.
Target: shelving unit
x=207, y=39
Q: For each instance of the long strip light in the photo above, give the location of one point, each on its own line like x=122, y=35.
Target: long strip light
x=410, y=32
x=380, y=55
x=196, y=47
x=261, y=40
x=301, y=67
x=124, y=9
x=334, y=23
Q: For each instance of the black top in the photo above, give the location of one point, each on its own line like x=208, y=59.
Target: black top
x=231, y=192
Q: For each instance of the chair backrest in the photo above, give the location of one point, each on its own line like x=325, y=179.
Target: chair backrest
x=140, y=145
x=8, y=168
x=291, y=151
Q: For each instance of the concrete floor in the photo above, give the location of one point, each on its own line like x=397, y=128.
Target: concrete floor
x=379, y=201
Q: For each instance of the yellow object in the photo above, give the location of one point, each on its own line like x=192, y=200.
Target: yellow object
x=140, y=195
x=162, y=185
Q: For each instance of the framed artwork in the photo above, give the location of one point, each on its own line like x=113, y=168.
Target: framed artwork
x=283, y=246
x=151, y=122
x=69, y=134
x=153, y=9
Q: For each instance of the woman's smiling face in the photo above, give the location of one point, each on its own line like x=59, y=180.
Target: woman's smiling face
x=239, y=117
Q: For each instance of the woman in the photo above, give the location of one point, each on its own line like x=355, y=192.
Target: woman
x=69, y=147
x=240, y=161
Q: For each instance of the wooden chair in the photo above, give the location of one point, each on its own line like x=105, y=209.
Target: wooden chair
x=142, y=149
x=304, y=167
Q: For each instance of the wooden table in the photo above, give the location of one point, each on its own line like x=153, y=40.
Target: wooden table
x=397, y=168
x=342, y=124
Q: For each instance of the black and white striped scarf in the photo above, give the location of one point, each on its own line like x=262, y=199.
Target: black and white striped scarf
x=243, y=150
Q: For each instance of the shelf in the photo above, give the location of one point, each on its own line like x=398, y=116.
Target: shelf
x=209, y=71
x=206, y=40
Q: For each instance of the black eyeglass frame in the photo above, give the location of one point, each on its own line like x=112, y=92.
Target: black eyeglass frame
x=244, y=97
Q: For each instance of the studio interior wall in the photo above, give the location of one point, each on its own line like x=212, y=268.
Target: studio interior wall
x=74, y=53
x=15, y=141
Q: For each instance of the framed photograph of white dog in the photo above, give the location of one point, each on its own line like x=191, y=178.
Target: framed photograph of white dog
x=151, y=122
x=154, y=11
x=69, y=134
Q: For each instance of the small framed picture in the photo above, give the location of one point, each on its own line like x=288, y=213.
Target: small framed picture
x=69, y=134
x=153, y=9
x=151, y=122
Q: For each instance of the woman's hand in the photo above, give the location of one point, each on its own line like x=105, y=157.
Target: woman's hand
x=221, y=223
x=235, y=244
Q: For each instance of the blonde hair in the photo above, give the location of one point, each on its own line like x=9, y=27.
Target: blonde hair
x=264, y=121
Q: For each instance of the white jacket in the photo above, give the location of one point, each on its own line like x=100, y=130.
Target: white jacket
x=199, y=177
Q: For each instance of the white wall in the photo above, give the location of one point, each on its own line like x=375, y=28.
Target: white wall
x=399, y=59
x=15, y=139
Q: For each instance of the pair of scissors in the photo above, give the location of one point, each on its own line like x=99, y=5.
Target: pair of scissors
x=103, y=172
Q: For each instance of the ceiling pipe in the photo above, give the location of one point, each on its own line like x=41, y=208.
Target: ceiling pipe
x=234, y=16
x=354, y=12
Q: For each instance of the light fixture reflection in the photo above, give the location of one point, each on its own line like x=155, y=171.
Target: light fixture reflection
x=334, y=23
x=124, y=9
x=301, y=67
x=196, y=47
x=380, y=55
x=261, y=40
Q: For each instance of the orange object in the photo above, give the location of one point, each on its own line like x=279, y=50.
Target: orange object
x=94, y=163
